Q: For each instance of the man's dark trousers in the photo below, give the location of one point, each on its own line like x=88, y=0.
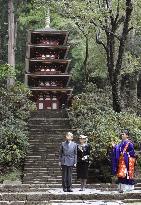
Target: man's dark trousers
x=67, y=177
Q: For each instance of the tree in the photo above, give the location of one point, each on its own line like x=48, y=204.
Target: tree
x=11, y=39
x=111, y=19
x=112, y=23
x=0, y=48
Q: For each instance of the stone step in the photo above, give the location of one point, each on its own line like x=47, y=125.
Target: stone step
x=47, y=136
x=33, y=152
x=60, y=125
x=45, y=174
x=42, y=121
x=58, y=195
x=42, y=177
x=45, y=145
x=51, y=169
x=39, y=164
x=49, y=158
x=48, y=122
x=51, y=131
x=49, y=114
x=48, y=175
x=33, y=149
x=46, y=119
x=44, y=154
x=56, y=140
x=27, y=187
x=70, y=202
x=36, y=187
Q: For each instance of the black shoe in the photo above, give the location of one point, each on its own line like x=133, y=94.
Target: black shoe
x=65, y=190
x=70, y=190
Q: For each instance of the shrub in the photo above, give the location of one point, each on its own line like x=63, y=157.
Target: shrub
x=11, y=175
x=15, y=108
x=92, y=114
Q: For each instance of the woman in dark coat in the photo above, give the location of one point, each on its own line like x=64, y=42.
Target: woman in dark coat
x=83, y=152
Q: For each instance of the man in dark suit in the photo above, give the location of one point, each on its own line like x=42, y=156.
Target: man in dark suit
x=67, y=160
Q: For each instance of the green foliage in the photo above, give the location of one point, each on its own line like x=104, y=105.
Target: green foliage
x=15, y=108
x=131, y=64
x=5, y=71
x=12, y=175
x=32, y=15
x=92, y=114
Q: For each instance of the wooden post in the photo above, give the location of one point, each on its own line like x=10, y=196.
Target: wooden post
x=11, y=40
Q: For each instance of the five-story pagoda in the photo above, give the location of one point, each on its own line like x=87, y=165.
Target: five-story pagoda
x=47, y=68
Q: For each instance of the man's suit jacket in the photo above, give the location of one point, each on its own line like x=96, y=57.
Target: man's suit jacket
x=68, y=153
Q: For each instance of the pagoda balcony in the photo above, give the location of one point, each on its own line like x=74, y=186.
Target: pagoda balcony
x=47, y=66
x=47, y=81
x=47, y=52
x=50, y=37
x=67, y=91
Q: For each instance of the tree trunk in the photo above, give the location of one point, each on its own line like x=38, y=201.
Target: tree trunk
x=86, y=59
x=0, y=48
x=113, y=75
x=116, y=94
x=129, y=90
x=11, y=39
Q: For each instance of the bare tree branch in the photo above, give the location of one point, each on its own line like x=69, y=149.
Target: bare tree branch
x=131, y=28
x=126, y=29
x=98, y=41
x=117, y=14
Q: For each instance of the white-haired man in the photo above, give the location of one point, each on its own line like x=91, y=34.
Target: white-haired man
x=67, y=160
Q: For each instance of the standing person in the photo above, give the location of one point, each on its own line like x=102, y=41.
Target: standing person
x=67, y=160
x=83, y=152
x=124, y=158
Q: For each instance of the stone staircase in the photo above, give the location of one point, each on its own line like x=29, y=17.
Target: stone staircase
x=41, y=194
x=47, y=131
x=42, y=175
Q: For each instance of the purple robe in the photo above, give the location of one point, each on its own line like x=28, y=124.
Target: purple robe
x=117, y=150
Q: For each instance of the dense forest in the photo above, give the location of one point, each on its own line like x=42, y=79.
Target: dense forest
x=105, y=39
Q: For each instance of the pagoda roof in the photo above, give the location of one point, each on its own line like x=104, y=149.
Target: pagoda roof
x=49, y=46
x=49, y=75
x=67, y=90
x=49, y=30
x=51, y=88
x=50, y=60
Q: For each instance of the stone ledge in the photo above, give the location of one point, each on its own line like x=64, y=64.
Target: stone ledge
x=58, y=194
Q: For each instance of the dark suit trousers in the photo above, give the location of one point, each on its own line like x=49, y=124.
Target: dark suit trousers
x=66, y=177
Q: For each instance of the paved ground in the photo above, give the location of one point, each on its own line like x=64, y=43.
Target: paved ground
x=90, y=191
x=87, y=191
x=89, y=203
x=96, y=203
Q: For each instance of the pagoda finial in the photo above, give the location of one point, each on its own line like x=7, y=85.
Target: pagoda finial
x=47, y=21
